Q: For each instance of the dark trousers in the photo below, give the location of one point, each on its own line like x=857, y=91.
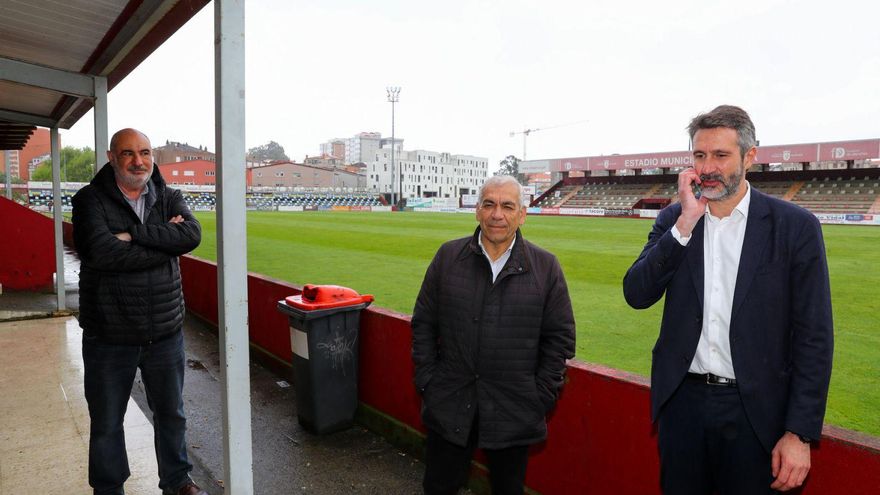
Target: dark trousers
x=708, y=446
x=447, y=466
x=109, y=375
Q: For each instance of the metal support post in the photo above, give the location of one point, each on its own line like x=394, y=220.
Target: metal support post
x=101, y=131
x=229, y=107
x=8, y=158
x=57, y=210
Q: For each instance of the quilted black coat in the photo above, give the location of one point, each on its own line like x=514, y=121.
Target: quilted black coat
x=130, y=292
x=498, y=348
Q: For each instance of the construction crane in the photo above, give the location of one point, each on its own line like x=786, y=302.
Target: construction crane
x=525, y=132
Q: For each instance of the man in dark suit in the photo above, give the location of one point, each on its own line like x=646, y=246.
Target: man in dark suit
x=740, y=371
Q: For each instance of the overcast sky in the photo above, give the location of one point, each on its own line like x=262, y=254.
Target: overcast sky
x=607, y=76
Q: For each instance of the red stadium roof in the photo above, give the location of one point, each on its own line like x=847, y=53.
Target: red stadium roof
x=864, y=149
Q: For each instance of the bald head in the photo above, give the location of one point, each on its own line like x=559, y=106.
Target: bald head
x=131, y=156
x=114, y=141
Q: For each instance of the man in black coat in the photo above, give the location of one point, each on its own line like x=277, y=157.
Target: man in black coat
x=740, y=372
x=129, y=229
x=492, y=328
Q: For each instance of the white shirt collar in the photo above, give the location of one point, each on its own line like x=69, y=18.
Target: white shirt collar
x=480, y=242
x=498, y=264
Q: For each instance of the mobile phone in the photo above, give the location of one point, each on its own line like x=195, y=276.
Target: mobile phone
x=697, y=190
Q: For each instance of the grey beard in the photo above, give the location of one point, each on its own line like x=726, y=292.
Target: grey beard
x=134, y=182
x=730, y=185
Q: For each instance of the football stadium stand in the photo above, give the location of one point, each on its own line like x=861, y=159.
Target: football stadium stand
x=309, y=200
x=41, y=199
x=825, y=191
x=618, y=185
x=854, y=191
x=838, y=196
x=838, y=181
x=200, y=200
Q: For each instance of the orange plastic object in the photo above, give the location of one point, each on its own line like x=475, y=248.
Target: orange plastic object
x=316, y=297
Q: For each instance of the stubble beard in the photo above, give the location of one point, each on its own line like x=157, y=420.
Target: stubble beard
x=729, y=185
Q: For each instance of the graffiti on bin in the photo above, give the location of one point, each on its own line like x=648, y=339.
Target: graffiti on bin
x=339, y=350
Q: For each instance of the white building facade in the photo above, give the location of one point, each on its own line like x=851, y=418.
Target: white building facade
x=427, y=174
x=360, y=148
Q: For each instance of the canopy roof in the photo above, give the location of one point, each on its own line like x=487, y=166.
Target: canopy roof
x=51, y=53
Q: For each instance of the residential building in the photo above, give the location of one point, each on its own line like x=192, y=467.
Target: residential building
x=325, y=161
x=361, y=147
x=334, y=148
x=23, y=162
x=293, y=175
x=14, y=157
x=427, y=174
x=174, y=152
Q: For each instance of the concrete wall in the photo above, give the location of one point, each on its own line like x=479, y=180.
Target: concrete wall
x=27, y=248
x=600, y=441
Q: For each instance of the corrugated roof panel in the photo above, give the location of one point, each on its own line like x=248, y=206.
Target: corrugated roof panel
x=59, y=34
x=27, y=99
x=94, y=37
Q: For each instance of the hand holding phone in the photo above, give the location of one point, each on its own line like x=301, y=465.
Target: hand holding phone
x=690, y=194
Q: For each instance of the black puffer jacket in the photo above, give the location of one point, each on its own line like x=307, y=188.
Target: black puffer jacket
x=500, y=348
x=130, y=292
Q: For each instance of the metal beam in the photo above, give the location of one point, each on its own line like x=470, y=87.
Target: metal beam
x=101, y=131
x=145, y=17
x=27, y=118
x=69, y=107
x=62, y=81
x=57, y=210
x=229, y=111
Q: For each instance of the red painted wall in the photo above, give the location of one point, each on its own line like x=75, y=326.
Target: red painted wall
x=198, y=168
x=27, y=248
x=601, y=439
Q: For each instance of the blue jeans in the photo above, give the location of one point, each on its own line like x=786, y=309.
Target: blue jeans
x=109, y=375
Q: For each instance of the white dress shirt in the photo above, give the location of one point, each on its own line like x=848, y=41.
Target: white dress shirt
x=498, y=264
x=722, y=247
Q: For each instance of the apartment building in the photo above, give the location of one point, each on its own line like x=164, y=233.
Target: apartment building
x=427, y=174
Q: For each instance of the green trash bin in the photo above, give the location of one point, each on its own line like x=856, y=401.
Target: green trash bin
x=324, y=326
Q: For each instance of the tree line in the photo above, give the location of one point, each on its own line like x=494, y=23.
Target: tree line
x=77, y=165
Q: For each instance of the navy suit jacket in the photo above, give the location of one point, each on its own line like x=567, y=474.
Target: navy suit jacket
x=781, y=330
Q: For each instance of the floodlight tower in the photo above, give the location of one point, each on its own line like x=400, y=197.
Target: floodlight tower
x=394, y=96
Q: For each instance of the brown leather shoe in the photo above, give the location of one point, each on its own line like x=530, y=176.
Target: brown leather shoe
x=191, y=489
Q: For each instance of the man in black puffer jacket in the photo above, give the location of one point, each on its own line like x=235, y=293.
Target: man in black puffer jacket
x=492, y=328
x=129, y=229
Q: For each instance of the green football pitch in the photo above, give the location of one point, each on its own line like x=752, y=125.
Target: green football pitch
x=386, y=254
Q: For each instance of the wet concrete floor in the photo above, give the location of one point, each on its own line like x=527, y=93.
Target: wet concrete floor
x=286, y=458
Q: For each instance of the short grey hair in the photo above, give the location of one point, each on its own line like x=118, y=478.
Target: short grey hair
x=501, y=181
x=731, y=117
